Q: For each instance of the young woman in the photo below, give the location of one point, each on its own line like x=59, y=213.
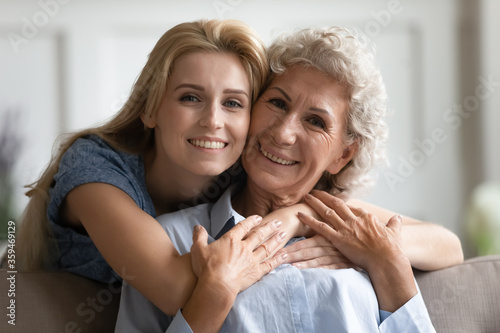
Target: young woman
x=185, y=123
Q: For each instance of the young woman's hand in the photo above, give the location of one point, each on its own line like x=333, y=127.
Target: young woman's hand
x=316, y=252
x=241, y=256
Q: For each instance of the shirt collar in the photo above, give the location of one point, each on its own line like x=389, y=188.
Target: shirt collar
x=222, y=211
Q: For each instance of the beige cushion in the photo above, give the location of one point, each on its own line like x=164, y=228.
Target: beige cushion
x=464, y=298
x=58, y=302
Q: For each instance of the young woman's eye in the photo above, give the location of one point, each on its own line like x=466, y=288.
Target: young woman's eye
x=317, y=122
x=189, y=98
x=233, y=104
x=278, y=102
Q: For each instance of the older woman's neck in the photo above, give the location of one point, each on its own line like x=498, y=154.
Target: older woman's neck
x=253, y=200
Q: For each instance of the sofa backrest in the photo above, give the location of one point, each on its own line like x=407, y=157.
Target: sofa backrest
x=462, y=298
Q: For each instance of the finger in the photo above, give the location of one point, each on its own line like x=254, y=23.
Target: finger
x=395, y=224
x=240, y=230
x=258, y=235
x=358, y=211
x=327, y=214
x=339, y=266
x=270, y=264
x=200, y=236
x=338, y=205
x=270, y=246
x=315, y=241
x=311, y=253
x=322, y=262
x=321, y=228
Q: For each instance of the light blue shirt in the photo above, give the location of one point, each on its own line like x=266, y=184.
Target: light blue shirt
x=285, y=300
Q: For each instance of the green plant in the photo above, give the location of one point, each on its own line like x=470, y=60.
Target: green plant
x=10, y=144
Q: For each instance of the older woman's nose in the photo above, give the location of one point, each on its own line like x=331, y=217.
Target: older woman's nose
x=284, y=131
x=212, y=117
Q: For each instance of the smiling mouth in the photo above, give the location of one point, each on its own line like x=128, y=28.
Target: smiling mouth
x=208, y=144
x=276, y=159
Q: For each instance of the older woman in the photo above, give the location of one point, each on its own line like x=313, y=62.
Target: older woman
x=318, y=124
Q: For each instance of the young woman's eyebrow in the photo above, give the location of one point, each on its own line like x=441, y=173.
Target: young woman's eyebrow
x=235, y=91
x=189, y=85
x=201, y=88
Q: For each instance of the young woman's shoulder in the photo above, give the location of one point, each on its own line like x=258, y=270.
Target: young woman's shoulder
x=91, y=159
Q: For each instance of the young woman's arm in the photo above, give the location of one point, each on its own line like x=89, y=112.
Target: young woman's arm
x=428, y=246
x=135, y=245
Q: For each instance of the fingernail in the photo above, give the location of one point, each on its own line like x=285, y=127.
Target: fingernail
x=258, y=219
x=284, y=256
x=277, y=223
x=297, y=264
x=308, y=196
x=282, y=235
x=300, y=215
x=399, y=217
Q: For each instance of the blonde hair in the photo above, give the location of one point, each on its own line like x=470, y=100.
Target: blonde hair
x=126, y=131
x=348, y=59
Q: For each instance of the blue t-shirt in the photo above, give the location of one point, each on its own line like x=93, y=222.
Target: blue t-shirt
x=92, y=160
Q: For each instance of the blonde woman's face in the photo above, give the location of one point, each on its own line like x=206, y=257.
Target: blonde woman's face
x=202, y=123
x=296, y=132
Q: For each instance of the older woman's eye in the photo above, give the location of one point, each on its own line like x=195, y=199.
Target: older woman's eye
x=317, y=122
x=278, y=102
x=189, y=98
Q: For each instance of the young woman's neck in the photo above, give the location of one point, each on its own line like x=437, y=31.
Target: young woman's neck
x=172, y=188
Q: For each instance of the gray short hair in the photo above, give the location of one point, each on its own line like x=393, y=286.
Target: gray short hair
x=351, y=62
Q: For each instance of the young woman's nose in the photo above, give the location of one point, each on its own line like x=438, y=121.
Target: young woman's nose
x=284, y=130
x=212, y=117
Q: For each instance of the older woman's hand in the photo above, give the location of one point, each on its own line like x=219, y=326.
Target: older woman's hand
x=240, y=257
x=368, y=243
x=358, y=235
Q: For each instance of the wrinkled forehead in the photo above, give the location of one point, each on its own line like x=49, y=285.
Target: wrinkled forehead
x=296, y=72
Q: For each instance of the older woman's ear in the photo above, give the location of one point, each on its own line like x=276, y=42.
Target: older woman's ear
x=342, y=161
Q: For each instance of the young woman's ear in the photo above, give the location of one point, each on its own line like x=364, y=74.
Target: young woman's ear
x=148, y=121
x=342, y=161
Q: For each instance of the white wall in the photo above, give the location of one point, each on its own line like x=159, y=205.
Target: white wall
x=491, y=68
x=79, y=65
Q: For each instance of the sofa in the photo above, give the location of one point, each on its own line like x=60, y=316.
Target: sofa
x=462, y=298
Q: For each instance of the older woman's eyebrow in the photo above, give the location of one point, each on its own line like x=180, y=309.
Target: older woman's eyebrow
x=328, y=113
x=282, y=92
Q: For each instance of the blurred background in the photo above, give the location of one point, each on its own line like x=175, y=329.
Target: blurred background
x=70, y=64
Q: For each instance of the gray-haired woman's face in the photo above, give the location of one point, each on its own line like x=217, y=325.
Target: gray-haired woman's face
x=296, y=132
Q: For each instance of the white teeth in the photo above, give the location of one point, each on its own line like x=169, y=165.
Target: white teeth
x=276, y=159
x=208, y=144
